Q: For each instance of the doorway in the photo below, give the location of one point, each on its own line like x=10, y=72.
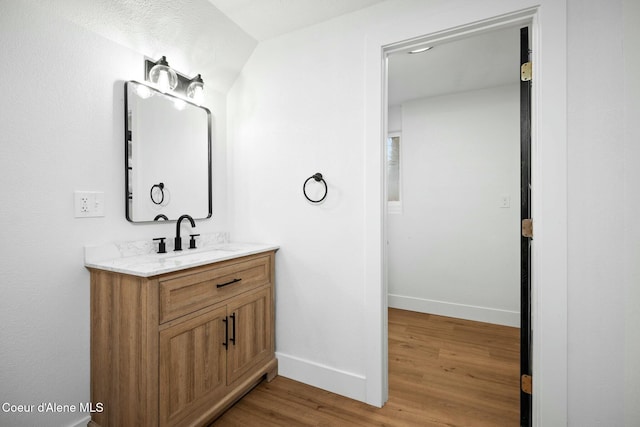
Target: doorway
x=454, y=178
x=453, y=170
x=549, y=161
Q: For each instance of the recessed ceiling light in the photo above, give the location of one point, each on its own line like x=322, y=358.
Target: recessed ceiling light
x=420, y=50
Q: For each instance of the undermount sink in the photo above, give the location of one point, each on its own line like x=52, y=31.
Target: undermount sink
x=189, y=252
x=224, y=248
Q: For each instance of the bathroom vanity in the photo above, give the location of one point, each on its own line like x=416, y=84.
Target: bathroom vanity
x=177, y=339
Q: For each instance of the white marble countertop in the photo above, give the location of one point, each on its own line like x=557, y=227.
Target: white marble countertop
x=139, y=261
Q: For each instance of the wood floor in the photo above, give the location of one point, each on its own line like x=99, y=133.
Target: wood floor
x=442, y=372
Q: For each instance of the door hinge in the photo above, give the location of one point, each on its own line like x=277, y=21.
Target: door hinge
x=527, y=228
x=525, y=383
x=525, y=72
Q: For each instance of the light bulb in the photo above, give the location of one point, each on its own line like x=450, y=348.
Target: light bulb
x=163, y=76
x=195, y=90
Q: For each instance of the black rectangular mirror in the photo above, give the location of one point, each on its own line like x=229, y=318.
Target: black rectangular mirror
x=167, y=156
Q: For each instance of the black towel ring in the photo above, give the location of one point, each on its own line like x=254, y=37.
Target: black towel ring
x=160, y=188
x=318, y=178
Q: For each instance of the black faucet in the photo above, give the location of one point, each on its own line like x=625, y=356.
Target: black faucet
x=177, y=243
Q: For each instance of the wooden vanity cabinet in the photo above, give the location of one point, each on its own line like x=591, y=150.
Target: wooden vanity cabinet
x=180, y=348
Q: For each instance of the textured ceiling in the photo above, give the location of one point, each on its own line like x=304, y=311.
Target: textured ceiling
x=263, y=19
x=194, y=35
x=482, y=61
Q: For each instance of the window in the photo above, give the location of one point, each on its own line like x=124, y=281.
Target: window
x=393, y=173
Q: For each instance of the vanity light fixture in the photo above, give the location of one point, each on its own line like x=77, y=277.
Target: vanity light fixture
x=167, y=79
x=420, y=50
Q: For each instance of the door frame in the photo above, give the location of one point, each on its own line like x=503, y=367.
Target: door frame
x=549, y=254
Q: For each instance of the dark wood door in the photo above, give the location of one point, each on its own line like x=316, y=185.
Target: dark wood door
x=525, y=242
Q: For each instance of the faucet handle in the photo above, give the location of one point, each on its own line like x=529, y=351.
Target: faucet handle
x=162, y=247
x=192, y=242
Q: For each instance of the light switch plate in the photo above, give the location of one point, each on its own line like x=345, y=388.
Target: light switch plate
x=505, y=201
x=88, y=204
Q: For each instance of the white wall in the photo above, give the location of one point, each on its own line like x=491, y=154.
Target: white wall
x=631, y=48
x=297, y=110
x=454, y=250
x=394, y=118
x=61, y=129
x=604, y=237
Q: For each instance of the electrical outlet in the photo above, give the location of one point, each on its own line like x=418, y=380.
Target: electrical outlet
x=505, y=201
x=88, y=204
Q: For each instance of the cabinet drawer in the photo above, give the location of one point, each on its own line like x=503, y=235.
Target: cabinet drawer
x=186, y=293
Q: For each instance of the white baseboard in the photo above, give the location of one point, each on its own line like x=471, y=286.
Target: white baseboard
x=325, y=377
x=460, y=311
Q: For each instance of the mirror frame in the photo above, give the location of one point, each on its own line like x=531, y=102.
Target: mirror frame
x=127, y=139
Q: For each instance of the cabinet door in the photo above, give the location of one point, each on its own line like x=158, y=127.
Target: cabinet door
x=251, y=339
x=192, y=367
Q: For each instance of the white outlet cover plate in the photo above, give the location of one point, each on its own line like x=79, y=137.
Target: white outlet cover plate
x=505, y=201
x=88, y=204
